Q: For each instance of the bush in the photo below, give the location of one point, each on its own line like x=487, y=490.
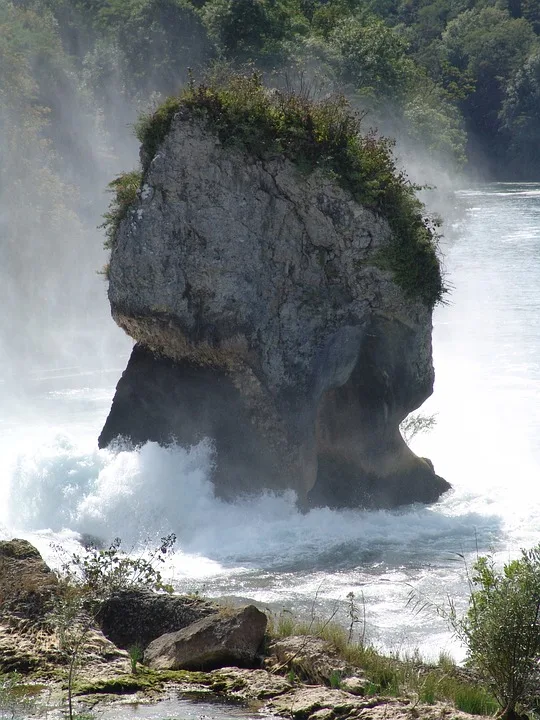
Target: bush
x=101, y=572
x=125, y=188
x=502, y=629
x=323, y=135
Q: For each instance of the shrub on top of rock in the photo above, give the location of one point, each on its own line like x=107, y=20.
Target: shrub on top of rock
x=326, y=135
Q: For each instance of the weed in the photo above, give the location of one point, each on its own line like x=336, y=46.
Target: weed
x=335, y=680
x=103, y=570
x=136, y=654
x=124, y=188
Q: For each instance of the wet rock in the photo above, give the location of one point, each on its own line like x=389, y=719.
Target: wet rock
x=136, y=617
x=226, y=638
x=246, y=684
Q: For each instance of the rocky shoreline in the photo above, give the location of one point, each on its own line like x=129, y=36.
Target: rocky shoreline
x=192, y=647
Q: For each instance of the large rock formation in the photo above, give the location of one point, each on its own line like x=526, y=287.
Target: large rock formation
x=264, y=322
x=226, y=638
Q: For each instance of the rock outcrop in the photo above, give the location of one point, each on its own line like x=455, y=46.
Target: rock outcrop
x=311, y=659
x=264, y=321
x=136, y=617
x=27, y=584
x=225, y=638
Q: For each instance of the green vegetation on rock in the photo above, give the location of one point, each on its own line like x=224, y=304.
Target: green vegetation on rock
x=392, y=675
x=321, y=135
x=124, y=189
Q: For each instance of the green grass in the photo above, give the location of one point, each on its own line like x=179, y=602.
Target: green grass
x=325, y=135
x=393, y=676
x=124, y=189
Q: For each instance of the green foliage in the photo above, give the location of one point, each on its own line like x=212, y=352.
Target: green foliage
x=391, y=676
x=152, y=127
x=315, y=135
x=519, y=116
x=125, y=188
x=335, y=679
x=136, y=655
x=502, y=629
x=101, y=572
x=254, y=30
x=435, y=685
x=373, y=57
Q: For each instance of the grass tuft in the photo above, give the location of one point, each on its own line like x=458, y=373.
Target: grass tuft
x=124, y=189
x=394, y=676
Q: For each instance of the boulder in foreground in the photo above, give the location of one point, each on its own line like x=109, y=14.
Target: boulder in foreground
x=136, y=617
x=226, y=638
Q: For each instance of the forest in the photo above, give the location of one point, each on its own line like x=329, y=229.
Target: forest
x=459, y=77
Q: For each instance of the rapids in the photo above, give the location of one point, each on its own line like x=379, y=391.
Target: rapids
x=56, y=485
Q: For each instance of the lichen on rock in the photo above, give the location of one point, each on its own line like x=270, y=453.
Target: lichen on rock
x=269, y=315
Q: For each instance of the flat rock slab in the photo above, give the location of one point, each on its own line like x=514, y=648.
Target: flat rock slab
x=320, y=702
x=316, y=703
x=226, y=638
x=246, y=684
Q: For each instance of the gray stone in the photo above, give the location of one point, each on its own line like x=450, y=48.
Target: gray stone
x=355, y=685
x=136, y=617
x=226, y=638
x=311, y=659
x=27, y=584
x=264, y=322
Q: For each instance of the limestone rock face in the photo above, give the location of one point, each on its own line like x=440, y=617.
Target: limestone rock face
x=264, y=322
x=232, y=638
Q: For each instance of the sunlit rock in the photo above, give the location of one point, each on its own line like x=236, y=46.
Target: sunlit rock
x=264, y=321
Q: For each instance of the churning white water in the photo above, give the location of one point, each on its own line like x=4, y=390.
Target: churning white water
x=55, y=484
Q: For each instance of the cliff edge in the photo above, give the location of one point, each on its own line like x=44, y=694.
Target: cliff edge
x=271, y=308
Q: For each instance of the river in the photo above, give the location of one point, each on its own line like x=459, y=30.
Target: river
x=55, y=484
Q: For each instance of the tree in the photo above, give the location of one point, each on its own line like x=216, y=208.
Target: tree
x=255, y=30
x=520, y=118
x=490, y=45
x=373, y=57
x=501, y=629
